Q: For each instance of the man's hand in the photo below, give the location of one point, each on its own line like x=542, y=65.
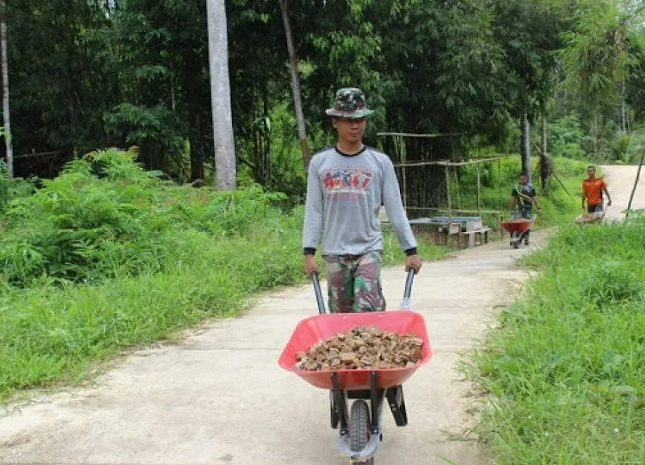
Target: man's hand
x=413, y=262
x=609, y=203
x=310, y=264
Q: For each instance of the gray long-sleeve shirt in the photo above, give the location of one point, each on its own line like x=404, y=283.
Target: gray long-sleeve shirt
x=344, y=194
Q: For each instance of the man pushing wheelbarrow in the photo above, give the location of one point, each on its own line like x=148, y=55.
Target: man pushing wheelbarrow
x=346, y=186
x=523, y=197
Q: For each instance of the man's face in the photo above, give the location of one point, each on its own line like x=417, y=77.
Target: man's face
x=591, y=173
x=523, y=179
x=350, y=130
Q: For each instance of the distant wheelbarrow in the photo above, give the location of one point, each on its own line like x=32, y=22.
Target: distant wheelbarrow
x=595, y=217
x=517, y=229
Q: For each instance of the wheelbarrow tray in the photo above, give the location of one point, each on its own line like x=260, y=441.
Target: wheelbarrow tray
x=311, y=330
x=517, y=225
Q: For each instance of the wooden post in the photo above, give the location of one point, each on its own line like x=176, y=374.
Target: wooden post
x=499, y=182
x=448, y=192
x=478, y=191
x=457, y=187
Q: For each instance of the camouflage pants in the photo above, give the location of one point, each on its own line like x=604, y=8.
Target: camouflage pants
x=354, y=283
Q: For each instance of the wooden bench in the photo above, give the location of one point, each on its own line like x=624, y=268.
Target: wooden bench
x=450, y=234
x=474, y=237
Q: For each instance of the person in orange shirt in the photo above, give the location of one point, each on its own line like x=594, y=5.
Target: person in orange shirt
x=592, y=192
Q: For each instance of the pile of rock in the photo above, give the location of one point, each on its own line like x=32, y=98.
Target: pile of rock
x=362, y=347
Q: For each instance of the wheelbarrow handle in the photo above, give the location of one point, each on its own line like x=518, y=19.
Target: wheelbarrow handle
x=318, y=291
x=408, y=291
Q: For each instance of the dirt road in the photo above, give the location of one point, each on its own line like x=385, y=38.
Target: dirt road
x=620, y=180
x=220, y=397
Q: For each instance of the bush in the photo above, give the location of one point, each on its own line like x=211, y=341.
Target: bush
x=104, y=216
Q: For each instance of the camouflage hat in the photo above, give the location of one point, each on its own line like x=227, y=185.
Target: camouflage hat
x=350, y=103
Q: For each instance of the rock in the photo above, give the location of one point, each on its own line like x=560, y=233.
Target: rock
x=362, y=347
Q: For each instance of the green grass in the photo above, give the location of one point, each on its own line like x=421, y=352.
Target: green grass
x=564, y=369
x=107, y=257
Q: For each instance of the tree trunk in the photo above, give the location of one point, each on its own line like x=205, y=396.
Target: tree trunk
x=5, y=86
x=638, y=175
x=225, y=162
x=295, y=84
x=596, y=137
x=623, y=108
x=526, y=145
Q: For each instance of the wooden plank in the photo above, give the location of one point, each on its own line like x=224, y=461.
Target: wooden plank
x=407, y=134
x=448, y=192
x=447, y=162
x=436, y=209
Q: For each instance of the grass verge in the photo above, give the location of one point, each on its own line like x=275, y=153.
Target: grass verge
x=564, y=369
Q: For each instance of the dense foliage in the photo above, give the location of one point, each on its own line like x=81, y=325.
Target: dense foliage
x=87, y=74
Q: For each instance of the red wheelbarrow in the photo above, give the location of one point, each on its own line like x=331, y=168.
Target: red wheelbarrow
x=517, y=229
x=360, y=426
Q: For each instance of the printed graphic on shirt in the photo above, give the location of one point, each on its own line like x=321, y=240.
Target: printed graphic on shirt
x=347, y=180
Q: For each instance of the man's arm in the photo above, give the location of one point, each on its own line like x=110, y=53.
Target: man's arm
x=314, y=214
x=513, y=202
x=604, y=188
x=584, y=195
x=399, y=220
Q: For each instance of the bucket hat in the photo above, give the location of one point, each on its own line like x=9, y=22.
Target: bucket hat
x=349, y=103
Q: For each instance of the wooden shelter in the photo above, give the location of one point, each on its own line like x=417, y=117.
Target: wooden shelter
x=450, y=168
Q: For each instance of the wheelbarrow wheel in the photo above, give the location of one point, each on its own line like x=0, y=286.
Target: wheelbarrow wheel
x=359, y=429
x=515, y=242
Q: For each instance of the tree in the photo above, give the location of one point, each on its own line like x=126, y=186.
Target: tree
x=295, y=83
x=599, y=56
x=225, y=160
x=60, y=85
x=5, y=87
